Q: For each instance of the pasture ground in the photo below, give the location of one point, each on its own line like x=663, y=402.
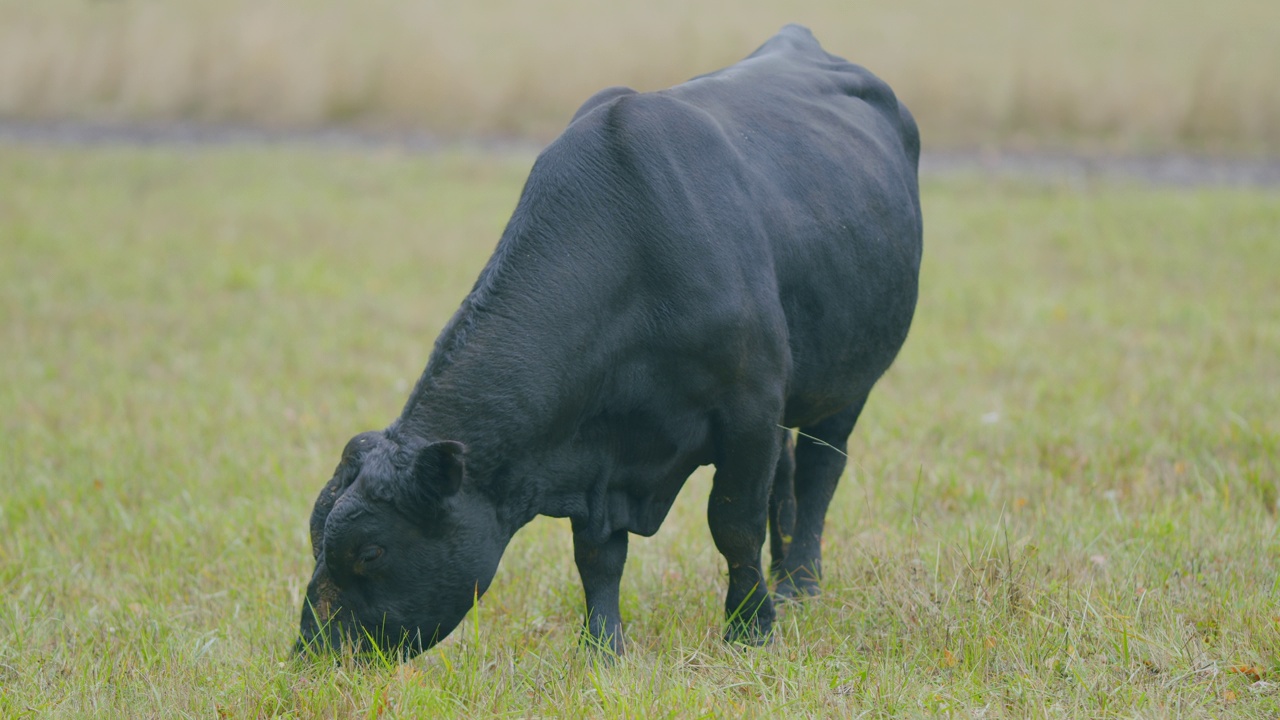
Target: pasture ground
x=1062, y=500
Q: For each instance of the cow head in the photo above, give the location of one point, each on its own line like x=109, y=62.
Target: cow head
x=402, y=545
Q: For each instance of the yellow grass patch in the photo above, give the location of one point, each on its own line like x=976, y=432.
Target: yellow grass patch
x=1138, y=75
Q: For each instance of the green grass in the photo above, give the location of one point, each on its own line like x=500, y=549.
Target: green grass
x=1140, y=75
x=1062, y=502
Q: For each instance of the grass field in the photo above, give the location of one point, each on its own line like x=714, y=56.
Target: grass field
x=1062, y=500
x=1141, y=75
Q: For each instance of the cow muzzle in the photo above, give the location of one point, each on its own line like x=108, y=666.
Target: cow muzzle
x=320, y=626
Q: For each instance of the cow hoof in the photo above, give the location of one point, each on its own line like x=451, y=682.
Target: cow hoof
x=605, y=650
x=753, y=636
x=795, y=590
x=601, y=658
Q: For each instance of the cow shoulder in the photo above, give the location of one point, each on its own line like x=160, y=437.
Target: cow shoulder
x=601, y=98
x=663, y=137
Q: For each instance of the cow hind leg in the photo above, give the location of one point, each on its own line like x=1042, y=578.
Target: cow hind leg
x=782, y=505
x=819, y=462
x=737, y=513
x=600, y=566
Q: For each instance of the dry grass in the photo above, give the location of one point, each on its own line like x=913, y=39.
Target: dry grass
x=1140, y=75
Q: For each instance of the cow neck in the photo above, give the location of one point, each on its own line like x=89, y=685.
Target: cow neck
x=510, y=374
x=509, y=389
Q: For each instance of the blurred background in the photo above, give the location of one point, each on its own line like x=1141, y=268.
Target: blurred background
x=1136, y=76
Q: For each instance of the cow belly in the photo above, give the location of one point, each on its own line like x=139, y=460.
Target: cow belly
x=835, y=367
x=638, y=461
x=643, y=514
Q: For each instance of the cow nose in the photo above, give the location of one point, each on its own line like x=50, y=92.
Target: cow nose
x=308, y=631
x=315, y=638
x=323, y=600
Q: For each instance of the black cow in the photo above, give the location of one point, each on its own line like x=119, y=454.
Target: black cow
x=687, y=273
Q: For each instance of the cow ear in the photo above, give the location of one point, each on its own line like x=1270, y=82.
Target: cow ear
x=438, y=469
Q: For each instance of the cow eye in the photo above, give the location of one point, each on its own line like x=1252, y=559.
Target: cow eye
x=368, y=555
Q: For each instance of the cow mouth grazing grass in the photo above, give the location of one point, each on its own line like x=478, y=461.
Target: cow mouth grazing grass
x=362, y=643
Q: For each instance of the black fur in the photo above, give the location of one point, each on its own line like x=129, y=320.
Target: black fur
x=686, y=272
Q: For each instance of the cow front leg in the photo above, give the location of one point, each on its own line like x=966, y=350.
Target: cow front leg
x=737, y=513
x=600, y=566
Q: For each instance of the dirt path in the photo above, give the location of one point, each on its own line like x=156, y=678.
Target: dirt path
x=1181, y=170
